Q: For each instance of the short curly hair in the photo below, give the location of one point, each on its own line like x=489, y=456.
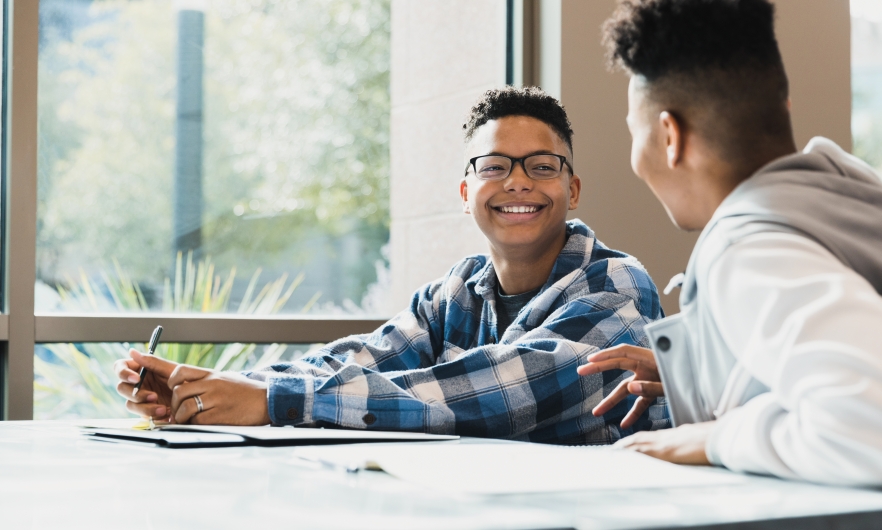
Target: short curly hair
x=714, y=63
x=654, y=38
x=513, y=101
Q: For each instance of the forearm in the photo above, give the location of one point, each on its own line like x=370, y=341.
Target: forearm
x=494, y=391
x=834, y=442
x=807, y=327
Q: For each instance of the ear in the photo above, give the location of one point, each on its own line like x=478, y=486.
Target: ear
x=672, y=132
x=575, y=191
x=464, y=193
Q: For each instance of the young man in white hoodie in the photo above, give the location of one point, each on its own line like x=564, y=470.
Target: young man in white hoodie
x=774, y=364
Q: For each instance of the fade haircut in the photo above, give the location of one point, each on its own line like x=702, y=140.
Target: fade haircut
x=511, y=101
x=714, y=63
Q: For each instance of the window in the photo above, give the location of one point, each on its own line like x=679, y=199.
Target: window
x=239, y=146
x=866, y=80
x=205, y=157
x=247, y=205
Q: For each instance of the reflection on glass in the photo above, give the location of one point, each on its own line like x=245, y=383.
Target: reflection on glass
x=76, y=380
x=260, y=157
x=866, y=80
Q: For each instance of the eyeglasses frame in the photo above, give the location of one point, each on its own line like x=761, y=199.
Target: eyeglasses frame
x=514, y=162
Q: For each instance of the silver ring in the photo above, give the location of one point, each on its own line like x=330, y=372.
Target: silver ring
x=199, y=407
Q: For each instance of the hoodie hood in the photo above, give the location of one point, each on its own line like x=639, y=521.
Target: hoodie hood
x=823, y=193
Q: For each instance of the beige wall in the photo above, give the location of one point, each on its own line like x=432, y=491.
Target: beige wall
x=444, y=55
x=814, y=36
x=815, y=40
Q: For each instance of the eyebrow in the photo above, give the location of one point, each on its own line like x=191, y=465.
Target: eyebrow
x=539, y=152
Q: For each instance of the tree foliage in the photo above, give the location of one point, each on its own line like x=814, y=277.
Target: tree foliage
x=296, y=133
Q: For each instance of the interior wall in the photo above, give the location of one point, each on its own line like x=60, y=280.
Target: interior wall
x=815, y=40
x=445, y=54
x=814, y=36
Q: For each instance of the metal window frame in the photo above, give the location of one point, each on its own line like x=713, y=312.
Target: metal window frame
x=20, y=328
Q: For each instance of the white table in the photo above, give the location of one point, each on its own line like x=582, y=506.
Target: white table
x=52, y=477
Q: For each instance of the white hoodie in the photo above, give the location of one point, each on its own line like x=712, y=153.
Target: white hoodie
x=780, y=332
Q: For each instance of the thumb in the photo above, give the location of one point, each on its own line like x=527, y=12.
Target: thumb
x=158, y=366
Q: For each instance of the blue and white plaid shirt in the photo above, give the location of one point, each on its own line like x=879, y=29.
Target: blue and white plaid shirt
x=441, y=367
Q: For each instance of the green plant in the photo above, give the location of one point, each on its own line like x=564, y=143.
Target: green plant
x=77, y=380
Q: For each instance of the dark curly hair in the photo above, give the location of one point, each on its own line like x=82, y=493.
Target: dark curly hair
x=654, y=38
x=714, y=63
x=512, y=101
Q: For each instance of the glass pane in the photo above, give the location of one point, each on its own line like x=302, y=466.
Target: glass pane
x=213, y=156
x=866, y=80
x=74, y=381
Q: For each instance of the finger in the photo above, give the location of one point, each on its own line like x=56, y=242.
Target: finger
x=184, y=392
x=627, y=351
x=184, y=373
x=649, y=389
x=126, y=370
x=619, y=363
x=148, y=410
x=636, y=411
x=188, y=411
x=206, y=417
x=613, y=399
x=158, y=366
x=143, y=396
x=631, y=442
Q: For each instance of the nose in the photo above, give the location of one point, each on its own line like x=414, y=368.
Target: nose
x=518, y=180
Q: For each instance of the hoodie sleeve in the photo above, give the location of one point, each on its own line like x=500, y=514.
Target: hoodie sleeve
x=810, y=329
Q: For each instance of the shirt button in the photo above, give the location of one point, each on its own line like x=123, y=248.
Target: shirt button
x=663, y=343
x=293, y=414
x=369, y=419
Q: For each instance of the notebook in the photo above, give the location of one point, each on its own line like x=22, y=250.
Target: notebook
x=189, y=436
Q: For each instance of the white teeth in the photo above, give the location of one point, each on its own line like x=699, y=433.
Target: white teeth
x=518, y=209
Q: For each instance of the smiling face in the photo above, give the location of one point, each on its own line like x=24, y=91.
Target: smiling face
x=519, y=215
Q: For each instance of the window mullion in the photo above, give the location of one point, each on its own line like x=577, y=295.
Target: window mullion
x=20, y=179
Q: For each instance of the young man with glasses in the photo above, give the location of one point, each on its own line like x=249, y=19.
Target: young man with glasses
x=489, y=350
x=774, y=364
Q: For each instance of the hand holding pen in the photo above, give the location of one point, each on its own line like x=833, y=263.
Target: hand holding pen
x=143, y=381
x=178, y=393
x=151, y=349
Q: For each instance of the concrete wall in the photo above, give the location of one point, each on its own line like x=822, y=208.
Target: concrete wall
x=444, y=54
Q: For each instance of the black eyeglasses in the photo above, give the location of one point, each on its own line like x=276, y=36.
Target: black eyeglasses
x=537, y=167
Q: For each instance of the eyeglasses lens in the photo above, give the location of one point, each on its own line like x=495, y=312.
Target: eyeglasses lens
x=538, y=167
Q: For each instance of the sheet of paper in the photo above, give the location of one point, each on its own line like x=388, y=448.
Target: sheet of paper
x=518, y=468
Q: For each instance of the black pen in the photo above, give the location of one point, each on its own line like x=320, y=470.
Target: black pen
x=154, y=340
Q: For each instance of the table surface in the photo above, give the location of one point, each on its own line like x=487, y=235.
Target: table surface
x=53, y=477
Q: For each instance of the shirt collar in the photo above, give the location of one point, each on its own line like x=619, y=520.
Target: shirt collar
x=576, y=253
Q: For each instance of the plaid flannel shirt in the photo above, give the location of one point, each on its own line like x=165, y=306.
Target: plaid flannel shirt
x=441, y=367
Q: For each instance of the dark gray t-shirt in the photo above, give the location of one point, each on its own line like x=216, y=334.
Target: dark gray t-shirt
x=508, y=307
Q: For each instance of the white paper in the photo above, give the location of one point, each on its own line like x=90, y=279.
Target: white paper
x=495, y=468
